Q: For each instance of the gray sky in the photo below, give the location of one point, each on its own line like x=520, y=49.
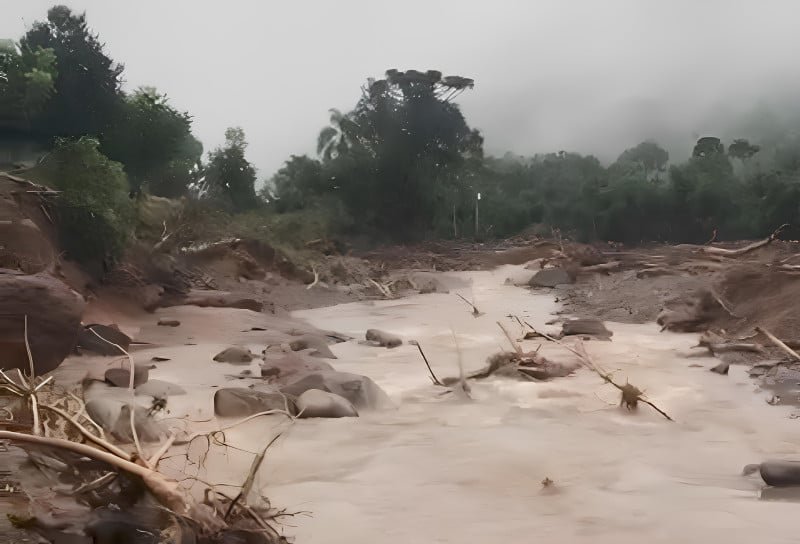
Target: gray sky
x=590, y=76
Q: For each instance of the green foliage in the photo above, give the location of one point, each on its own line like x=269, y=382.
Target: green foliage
x=95, y=214
x=400, y=154
x=87, y=85
x=229, y=178
x=742, y=149
x=27, y=82
x=155, y=143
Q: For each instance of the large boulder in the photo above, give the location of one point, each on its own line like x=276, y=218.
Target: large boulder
x=114, y=416
x=121, y=377
x=316, y=403
x=290, y=367
x=103, y=339
x=242, y=402
x=551, y=277
x=383, y=339
x=777, y=473
x=235, y=355
x=361, y=391
x=317, y=344
x=54, y=316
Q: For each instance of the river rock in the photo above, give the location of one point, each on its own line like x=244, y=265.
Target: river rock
x=100, y=339
x=316, y=403
x=593, y=327
x=551, y=277
x=54, y=316
x=317, y=344
x=121, y=377
x=147, y=428
x=242, y=402
x=290, y=367
x=721, y=368
x=160, y=388
x=235, y=355
x=164, y=322
x=383, y=339
x=104, y=411
x=361, y=391
x=778, y=473
x=113, y=415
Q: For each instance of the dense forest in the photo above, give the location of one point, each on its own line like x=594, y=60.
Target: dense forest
x=403, y=165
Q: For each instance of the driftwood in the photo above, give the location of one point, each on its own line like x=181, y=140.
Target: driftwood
x=602, y=267
x=777, y=341
x=723, y=252
x=475, y=311
x=630, y=394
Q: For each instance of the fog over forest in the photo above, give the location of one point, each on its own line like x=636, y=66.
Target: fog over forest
x=591, y=77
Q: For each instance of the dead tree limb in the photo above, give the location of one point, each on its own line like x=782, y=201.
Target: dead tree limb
x=436, y=380
x=723, y=252
x=514, y=345
x=778, y=342
x=475, y=311
x=630, y=393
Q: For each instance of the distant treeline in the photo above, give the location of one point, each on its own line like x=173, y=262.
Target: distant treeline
x=402, y=165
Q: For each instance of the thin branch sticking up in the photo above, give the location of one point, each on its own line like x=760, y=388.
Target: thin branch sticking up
x=475, y=311
x=436, y=380
x=132, y=405
x=316, y=278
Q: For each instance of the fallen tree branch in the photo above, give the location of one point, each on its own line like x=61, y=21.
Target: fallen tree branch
x=778, y=342
x=475, y=311
x=514, y=345
x=630, y=394
x=251, y=476
x=723, y=252
x=722, y=304
x=436, y=380
x=316, y=278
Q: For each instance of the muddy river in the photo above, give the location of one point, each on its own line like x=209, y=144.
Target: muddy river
x=438, y=468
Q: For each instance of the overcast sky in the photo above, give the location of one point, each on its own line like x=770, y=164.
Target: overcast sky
x=590, y=76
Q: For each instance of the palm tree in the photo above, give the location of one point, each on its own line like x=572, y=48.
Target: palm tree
x=338, y=137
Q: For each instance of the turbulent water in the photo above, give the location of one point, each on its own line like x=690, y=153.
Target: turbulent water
x=444, y=469
x=440, y=469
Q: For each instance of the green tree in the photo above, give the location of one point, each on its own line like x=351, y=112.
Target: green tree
x=27, y=82
x=95, y=214
x=298, y=184
x=742, y=149
x=155, y=143
x=229, y=176
x=406, y=147
x=708, y=146
x=87, y=84
x=648, y=155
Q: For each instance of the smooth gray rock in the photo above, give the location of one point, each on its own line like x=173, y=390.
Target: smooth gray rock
x=234, y=355
x=147, y=428
x=317, y=344
x=551, y=277
x=361, y=391
x=121, y=377
x=104, y=411
x=383, y=339
x=316, y=403
x=113, y=416
x=721, y=368
x=593, y=327
x=242, y=402
x=777, y=473
x=290, y=367
x=160, y=388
